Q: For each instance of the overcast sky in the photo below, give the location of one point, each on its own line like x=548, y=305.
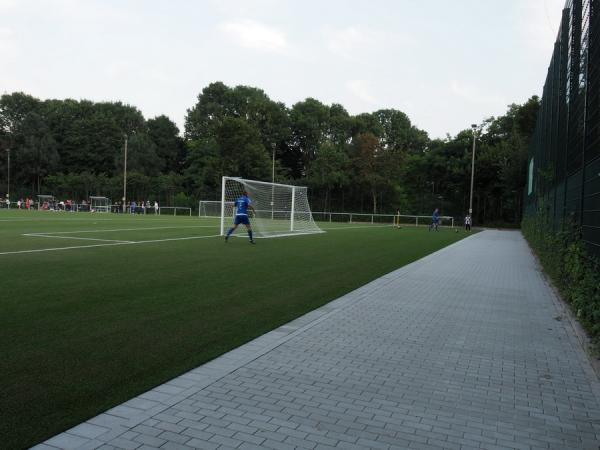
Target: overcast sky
x=446, y=63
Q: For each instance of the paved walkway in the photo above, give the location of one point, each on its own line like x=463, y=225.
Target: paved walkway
x=463, y=349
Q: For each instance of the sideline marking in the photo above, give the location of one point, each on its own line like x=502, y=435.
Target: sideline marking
x=105, y=245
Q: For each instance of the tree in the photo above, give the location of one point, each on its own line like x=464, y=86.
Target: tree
x=38, y=155
x=329, y=170
x=368, y=164
x=309, y=123
x=141, y=156
x=241, y=150
x=170, y=148
x=206, y=116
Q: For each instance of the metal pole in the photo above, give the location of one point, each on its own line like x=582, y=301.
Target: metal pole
x=474, y=127
x=223, y=181
x=273, y=167
x=125, y=177
x=8, y=174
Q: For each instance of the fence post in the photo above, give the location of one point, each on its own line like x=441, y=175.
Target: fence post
x=350, y=218
x=417, y=223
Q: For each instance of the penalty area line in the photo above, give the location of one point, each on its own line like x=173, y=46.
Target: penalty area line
x=109, y=244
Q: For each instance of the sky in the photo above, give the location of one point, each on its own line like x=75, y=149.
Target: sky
x=445, y=63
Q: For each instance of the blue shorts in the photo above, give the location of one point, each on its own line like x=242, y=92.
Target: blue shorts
x=241, y=219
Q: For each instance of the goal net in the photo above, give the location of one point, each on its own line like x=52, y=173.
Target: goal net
x=279, y=209
x=99, y=204
x=212, y=208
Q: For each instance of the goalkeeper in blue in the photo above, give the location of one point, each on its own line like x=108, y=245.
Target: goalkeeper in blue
x=242, y=205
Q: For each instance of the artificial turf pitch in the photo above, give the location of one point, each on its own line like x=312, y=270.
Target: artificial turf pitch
x=114, y=305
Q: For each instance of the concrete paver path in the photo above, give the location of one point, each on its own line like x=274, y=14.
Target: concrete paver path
x=463, y=349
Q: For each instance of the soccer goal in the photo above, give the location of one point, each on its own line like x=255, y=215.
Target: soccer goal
x=212, y=208
x=280, y=209
x=99, y=204
x=45, y=202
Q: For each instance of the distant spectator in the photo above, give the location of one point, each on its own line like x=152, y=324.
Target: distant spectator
x=19, y=202
x=468, y=222
x=155, y=207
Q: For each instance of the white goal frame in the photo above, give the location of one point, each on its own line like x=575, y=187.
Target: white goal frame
x=293, y=211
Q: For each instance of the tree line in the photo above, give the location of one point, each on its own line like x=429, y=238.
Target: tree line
x=372, y=162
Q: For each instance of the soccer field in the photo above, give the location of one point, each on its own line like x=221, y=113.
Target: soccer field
x=98, y=308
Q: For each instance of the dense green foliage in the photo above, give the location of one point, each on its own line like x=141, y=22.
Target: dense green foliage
x=372, y=162
x=86, y=329
x=564, y=258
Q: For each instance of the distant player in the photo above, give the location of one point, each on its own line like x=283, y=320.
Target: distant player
x=468, y=222
x=242, y=204
x=435, y=220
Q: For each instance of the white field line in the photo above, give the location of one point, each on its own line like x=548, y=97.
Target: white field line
x=56, y=249
x=114, y=243
x=74, y=237
x=122, y=229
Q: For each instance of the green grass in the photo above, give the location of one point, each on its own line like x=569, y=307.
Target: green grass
x=85, y=329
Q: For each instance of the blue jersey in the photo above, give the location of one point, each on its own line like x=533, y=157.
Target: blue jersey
x=241, y=205
x=436, y=217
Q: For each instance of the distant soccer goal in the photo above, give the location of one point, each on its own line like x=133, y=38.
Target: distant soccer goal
x=99, y=204
x=280, y=209
x=45, y=202
x=212, y=208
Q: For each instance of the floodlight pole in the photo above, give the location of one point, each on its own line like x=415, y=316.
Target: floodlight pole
x=273, y=167
x=8, y=173
x=474, y=127
x=125, y=177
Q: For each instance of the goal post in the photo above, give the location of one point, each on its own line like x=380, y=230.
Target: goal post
x=279, y=209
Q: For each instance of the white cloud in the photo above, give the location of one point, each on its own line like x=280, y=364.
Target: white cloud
x=356, y=43
x=254, y=35
x=360, y=89
x=7, y=4
x=473, y=94
x=539, y=22
x=8, y=46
